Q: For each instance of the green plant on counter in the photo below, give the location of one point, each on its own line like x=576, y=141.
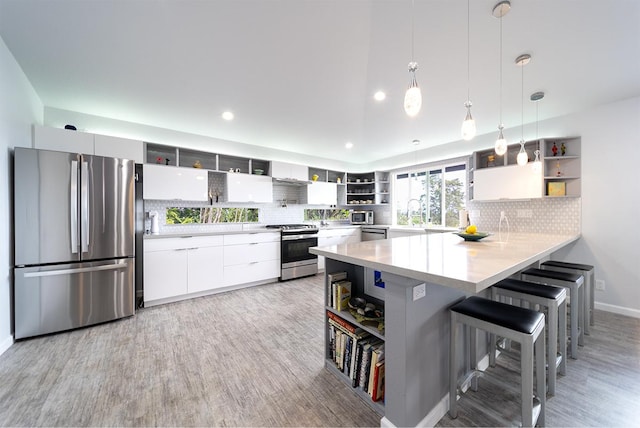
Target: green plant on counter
x=211, y=215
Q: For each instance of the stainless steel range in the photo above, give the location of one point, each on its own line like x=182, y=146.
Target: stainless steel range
x=295, y=259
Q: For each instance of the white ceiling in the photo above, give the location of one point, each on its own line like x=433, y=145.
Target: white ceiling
x=300, y=74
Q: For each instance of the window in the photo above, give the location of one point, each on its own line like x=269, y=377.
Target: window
x=420, y=199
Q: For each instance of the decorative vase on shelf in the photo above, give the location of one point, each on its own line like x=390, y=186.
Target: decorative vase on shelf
x=554, y=149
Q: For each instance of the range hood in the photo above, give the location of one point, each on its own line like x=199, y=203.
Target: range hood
x=291, y=181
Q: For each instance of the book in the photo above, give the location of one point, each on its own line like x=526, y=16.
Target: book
x=331, y=279
x=378, y=382
x=376, y=356
x=357, y=332
x=346, y=366
x=332, y=342
x=343, y=295
x=367, y=350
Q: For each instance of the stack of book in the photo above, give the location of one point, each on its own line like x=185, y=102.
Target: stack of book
x=340, y=291
x=357, y=354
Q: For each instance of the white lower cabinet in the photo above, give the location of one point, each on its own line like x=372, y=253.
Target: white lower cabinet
x=205, y=270
x=251, y=257
x=328, y=237
x=165, y=274
x=178, y=266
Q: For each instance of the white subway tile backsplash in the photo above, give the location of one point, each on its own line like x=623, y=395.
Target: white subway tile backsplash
x=546, y=215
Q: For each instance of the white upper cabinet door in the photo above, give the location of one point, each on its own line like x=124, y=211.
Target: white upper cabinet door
x=320, y=193
x=507, y=182
x=116, y=147
x=174, y=183
x=62, y=140
x=248, y=188
x=289, y=170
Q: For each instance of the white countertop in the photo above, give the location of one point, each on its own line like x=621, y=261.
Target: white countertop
x=446, y=259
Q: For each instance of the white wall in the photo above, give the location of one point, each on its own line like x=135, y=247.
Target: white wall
x=20, y=107
x=610, y=199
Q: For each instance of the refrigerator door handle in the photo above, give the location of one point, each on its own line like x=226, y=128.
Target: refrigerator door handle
x=77, y=270
x=84, y=209
x=73, y=209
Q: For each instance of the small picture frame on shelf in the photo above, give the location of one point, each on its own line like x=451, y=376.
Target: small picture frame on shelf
x=556, y=188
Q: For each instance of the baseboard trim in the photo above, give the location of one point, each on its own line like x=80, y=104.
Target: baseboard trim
x=440, y=409
x=635, y=313
x=6, y=344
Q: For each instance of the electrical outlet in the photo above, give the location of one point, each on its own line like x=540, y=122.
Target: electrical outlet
x=600, y=284
x=419, y=291
x=524, y=213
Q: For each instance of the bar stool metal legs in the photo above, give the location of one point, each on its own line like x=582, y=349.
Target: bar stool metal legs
x=588, y=272
x=576, y=296
x=554, y=299
x=517, y=324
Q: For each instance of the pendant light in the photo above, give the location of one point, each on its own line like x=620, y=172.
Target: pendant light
x=523, y=157
x=537, y=164
x=469, y=124
x=500, y=10
x=413, y=96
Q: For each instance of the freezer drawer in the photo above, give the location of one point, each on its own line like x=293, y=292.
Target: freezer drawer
x=49, y=299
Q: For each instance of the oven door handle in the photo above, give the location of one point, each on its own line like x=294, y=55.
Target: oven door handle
x=298, y=237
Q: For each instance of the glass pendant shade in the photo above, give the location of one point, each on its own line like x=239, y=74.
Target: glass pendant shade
x=469, y=124
x=523, y=157
x=536, y=166
x=413, y=96
x=501, y=143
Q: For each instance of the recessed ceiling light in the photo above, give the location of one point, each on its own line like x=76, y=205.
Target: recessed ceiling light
x=379, y=96
x=227, y=115
x=349, y=145
x=416, y=142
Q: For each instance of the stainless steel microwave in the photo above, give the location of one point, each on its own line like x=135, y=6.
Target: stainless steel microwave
x=361, y=217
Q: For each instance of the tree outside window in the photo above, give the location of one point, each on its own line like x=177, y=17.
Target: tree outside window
x=420, y=192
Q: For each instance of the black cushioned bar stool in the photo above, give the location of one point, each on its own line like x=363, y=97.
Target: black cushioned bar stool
x=574, y=283
x=554, y=299
x=520, y=325
x=588, y=272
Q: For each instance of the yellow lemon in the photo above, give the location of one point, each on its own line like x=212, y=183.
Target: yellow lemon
x=471, y=229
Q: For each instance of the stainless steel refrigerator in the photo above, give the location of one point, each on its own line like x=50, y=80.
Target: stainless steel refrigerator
x=74, y=240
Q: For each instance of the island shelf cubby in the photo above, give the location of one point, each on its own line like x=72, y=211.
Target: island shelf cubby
x=356, y=275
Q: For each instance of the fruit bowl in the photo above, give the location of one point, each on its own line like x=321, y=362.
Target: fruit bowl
x=472, y=236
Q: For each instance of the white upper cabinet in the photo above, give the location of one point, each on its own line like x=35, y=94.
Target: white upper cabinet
x=289, y=170
x=507, y=182
x=174, y=183
x=248, y=188
x=62, y=140
x=320, y=193
x=116, y=147
x=65, y=140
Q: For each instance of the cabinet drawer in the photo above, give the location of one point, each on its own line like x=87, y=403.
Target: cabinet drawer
x=251, y=272
x=151, y=245
x=250, y=238
x=249, y=253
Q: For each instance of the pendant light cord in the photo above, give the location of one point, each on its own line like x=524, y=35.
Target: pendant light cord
x=500, y=59
x=413, y=4
x=468, y=45
x=522, y=106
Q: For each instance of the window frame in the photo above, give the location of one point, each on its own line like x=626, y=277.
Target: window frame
x=426, y=169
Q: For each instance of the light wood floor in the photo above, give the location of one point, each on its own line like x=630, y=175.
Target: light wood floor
x=254, y=357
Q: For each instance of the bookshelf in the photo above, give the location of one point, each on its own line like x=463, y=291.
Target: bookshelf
x=368, y=336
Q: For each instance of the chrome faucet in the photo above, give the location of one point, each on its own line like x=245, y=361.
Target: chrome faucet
x=410, y=221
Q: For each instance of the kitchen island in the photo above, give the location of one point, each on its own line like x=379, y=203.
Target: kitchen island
x=424, y=275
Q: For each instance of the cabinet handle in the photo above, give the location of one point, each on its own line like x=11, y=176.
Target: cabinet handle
x=253, y=243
